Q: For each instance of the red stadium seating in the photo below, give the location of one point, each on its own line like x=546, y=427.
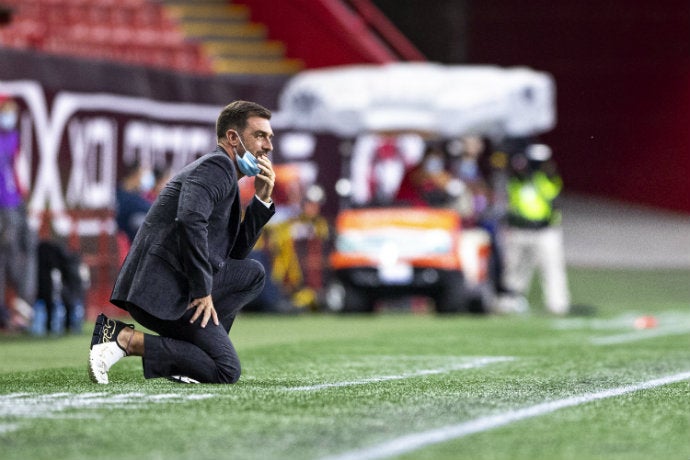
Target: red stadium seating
x=132, y=31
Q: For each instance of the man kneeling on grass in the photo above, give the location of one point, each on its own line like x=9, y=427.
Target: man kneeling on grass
x=186, y=275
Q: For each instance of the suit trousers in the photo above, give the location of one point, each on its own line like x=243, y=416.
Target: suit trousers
x=204, y=354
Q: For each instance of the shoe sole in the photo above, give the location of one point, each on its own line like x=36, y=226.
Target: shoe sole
x=182, y=379
x=95, y=340
x=94, y=358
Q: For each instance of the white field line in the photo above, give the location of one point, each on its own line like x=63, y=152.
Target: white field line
x=624, y=321
x=479, y=362
x=643, y=334
x=23, y=406
x=8, y=427
x=412, y=442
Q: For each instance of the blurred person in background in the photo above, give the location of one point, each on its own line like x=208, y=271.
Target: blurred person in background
x=469, y=169
x=429, y=183
x=187, y=275
x=387, y=169
x=294, y=252
x=132, y=205
x=17, y=244
x=63, y=279
x=478, y=168
x=308, y=236
x=534, y=237
x=161, y=176
x=135, y=193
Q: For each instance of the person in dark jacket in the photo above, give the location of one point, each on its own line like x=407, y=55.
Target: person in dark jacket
x=131, y=204
x=186, y=276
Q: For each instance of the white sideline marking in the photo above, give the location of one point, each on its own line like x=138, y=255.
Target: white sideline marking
x=670, y=323
x=409, y=443
x=479, y=362
x=22, y=406
x=640, y=335
x=8, y=427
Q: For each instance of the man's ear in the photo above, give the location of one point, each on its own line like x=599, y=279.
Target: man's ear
x=232, y=137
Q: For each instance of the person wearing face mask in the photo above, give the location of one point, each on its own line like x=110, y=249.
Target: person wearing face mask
x=131, y=204
x=155, y=181
x=187, y=274
x=428, y=183
x=15, y=235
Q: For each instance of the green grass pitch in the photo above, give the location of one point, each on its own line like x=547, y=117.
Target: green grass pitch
x=390, y=385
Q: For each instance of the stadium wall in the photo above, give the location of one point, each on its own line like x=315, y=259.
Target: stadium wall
x=623, y=79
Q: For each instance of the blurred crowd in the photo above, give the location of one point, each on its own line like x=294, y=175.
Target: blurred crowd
x=42, y=283
x=509, y=190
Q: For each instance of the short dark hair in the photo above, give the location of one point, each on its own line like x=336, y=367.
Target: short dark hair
x=131, y=169
x=235, y=115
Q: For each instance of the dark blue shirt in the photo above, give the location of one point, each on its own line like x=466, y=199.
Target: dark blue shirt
x=131, y=210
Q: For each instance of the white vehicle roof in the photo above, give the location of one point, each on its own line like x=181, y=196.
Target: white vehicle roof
x=448, y=100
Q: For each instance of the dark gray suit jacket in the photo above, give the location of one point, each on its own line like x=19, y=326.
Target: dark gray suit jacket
x=194, y=225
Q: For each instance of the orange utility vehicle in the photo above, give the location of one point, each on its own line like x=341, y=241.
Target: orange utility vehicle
x=388, y=253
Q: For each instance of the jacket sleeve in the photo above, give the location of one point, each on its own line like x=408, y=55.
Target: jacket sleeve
x=255, y=217
x=205, y=186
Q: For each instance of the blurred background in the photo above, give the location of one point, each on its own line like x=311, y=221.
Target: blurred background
x=110, y=96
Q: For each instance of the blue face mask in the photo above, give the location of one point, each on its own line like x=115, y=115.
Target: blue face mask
x=148, y=181
x=8, y=120
x=469, y=169
x=247, y=162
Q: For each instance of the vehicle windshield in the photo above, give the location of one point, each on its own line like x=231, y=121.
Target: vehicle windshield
x=406, y=242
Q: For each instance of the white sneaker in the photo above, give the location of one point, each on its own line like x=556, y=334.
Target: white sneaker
x=105, y=351
x=101, y=359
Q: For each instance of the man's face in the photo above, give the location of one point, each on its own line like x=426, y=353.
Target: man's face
x=257, y=136
x=472, y=146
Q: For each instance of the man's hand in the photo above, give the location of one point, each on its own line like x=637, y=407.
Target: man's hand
x=204, y=306
x=265, y=180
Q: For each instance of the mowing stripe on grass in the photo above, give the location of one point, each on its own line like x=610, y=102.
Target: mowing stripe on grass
x=478, y=362
x=412, y=442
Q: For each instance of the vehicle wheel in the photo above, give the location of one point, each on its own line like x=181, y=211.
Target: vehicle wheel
x=476, y=302
x=356, y=301
x=451, y=297
x=341, y=298
x=334, y=297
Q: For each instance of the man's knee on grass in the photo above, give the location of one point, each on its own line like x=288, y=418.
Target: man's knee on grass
x=228, y=374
